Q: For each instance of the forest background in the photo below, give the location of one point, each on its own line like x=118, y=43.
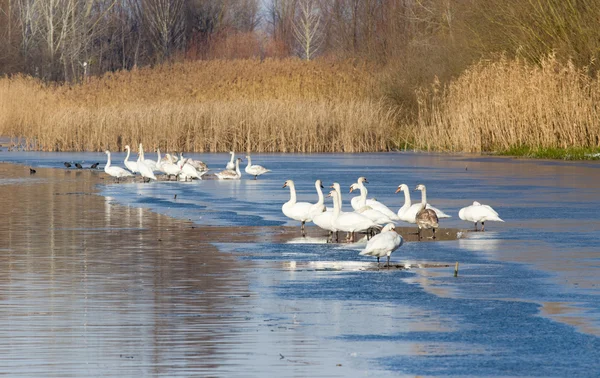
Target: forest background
x=514, y=77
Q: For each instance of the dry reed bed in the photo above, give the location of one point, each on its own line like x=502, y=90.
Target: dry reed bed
x=498, y=105
x=245, y=105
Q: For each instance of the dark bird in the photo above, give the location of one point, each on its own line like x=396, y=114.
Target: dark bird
x=78, y=165
x=426, y=218
x=67, y=164
x=32, y=171
x=95, y=166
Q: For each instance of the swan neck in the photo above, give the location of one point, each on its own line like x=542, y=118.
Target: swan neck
x=363, y=195
x=237, y=167
x=320, y=194
x=107, y=162
x=407, y=201
x=292, y=193
x=249, y=161
x=126, y=157
x=232, y=157
x=336, y=206
x=424, y=197
x=339, y=196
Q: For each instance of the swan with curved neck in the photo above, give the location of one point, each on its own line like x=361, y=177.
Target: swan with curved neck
x=145, y=170
x=348, y=221
x=299, y=211
x=425, y=218
x=131, y=165
x=114, y=171
x=374, y=215
x=231, y=165
x=188, y=171
x=255, y=170
x=383, y=244
x=408, y=211
x=321, y=215
x=479, y=213
x=373, y=203
x=231, y=175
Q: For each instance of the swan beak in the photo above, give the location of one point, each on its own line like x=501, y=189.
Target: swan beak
x=365, y=180
x=398, y=190
x=284, y=185
x=332, y=187
x=322, y=186
x=351, y=189
x=329, y=195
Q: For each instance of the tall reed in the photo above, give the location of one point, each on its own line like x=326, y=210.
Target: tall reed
x=274, y=105
x=499, y=105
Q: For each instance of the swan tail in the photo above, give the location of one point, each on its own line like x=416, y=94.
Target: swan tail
x=495, y=218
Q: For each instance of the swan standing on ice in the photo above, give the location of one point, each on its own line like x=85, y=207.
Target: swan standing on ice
x=299, y=211
x=320, y=214
x=149, y=162
x=373, y=203
x=479, y=213
x=408, y=211
x=366, y=210
x=425, y=218
x=172, y=169
x=231, y=165
x=231, y=175
x=383, y=244
x=188, y=171
x=348, y=221
x=116, y=172
x=255, y=170
x=129, y=164
x=145, y=171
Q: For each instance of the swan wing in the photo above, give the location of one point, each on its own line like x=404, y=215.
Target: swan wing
x=376, y=205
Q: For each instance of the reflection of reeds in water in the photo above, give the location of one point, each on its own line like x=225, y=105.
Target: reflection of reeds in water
x=246, y=105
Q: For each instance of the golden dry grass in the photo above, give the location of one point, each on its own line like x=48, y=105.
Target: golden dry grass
x=496, y=106
x=245, y=105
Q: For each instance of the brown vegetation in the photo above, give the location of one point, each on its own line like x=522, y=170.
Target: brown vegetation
x=268, y=106
x=499, y=105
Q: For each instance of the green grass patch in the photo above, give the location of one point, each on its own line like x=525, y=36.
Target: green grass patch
x=572, y=153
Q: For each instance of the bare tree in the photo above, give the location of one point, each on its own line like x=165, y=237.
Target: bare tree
x=164, y=23
x=307, y=29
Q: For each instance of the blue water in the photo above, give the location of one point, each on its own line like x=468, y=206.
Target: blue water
x=499, y=317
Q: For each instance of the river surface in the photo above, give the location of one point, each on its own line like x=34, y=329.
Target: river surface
x=208, y=278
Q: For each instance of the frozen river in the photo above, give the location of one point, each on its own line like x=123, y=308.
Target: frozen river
x=131, y=282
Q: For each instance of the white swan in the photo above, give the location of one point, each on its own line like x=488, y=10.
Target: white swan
x=200, y=166
x=145, y=170
x=425, y=218
x=171, y=169
x=373, y=203
x=383, y=244
x=231, y=165
x=188, y=171
x=116, y=172
x=348, y=221
x=408, y=211
x=149, y=162
x=299, y=211
x=374, y=215
x=131, y=165
x=479, y=213
x=255, y=170
x=160, y=161
x=320, y=214
x=231, y=175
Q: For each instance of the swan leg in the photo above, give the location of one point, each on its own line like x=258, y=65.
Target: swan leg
x=433, y=233
x=475, y=226
x=377, y=262
x=302, y=228
x=388, y=263
x=482, y=226
x=255, y=177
